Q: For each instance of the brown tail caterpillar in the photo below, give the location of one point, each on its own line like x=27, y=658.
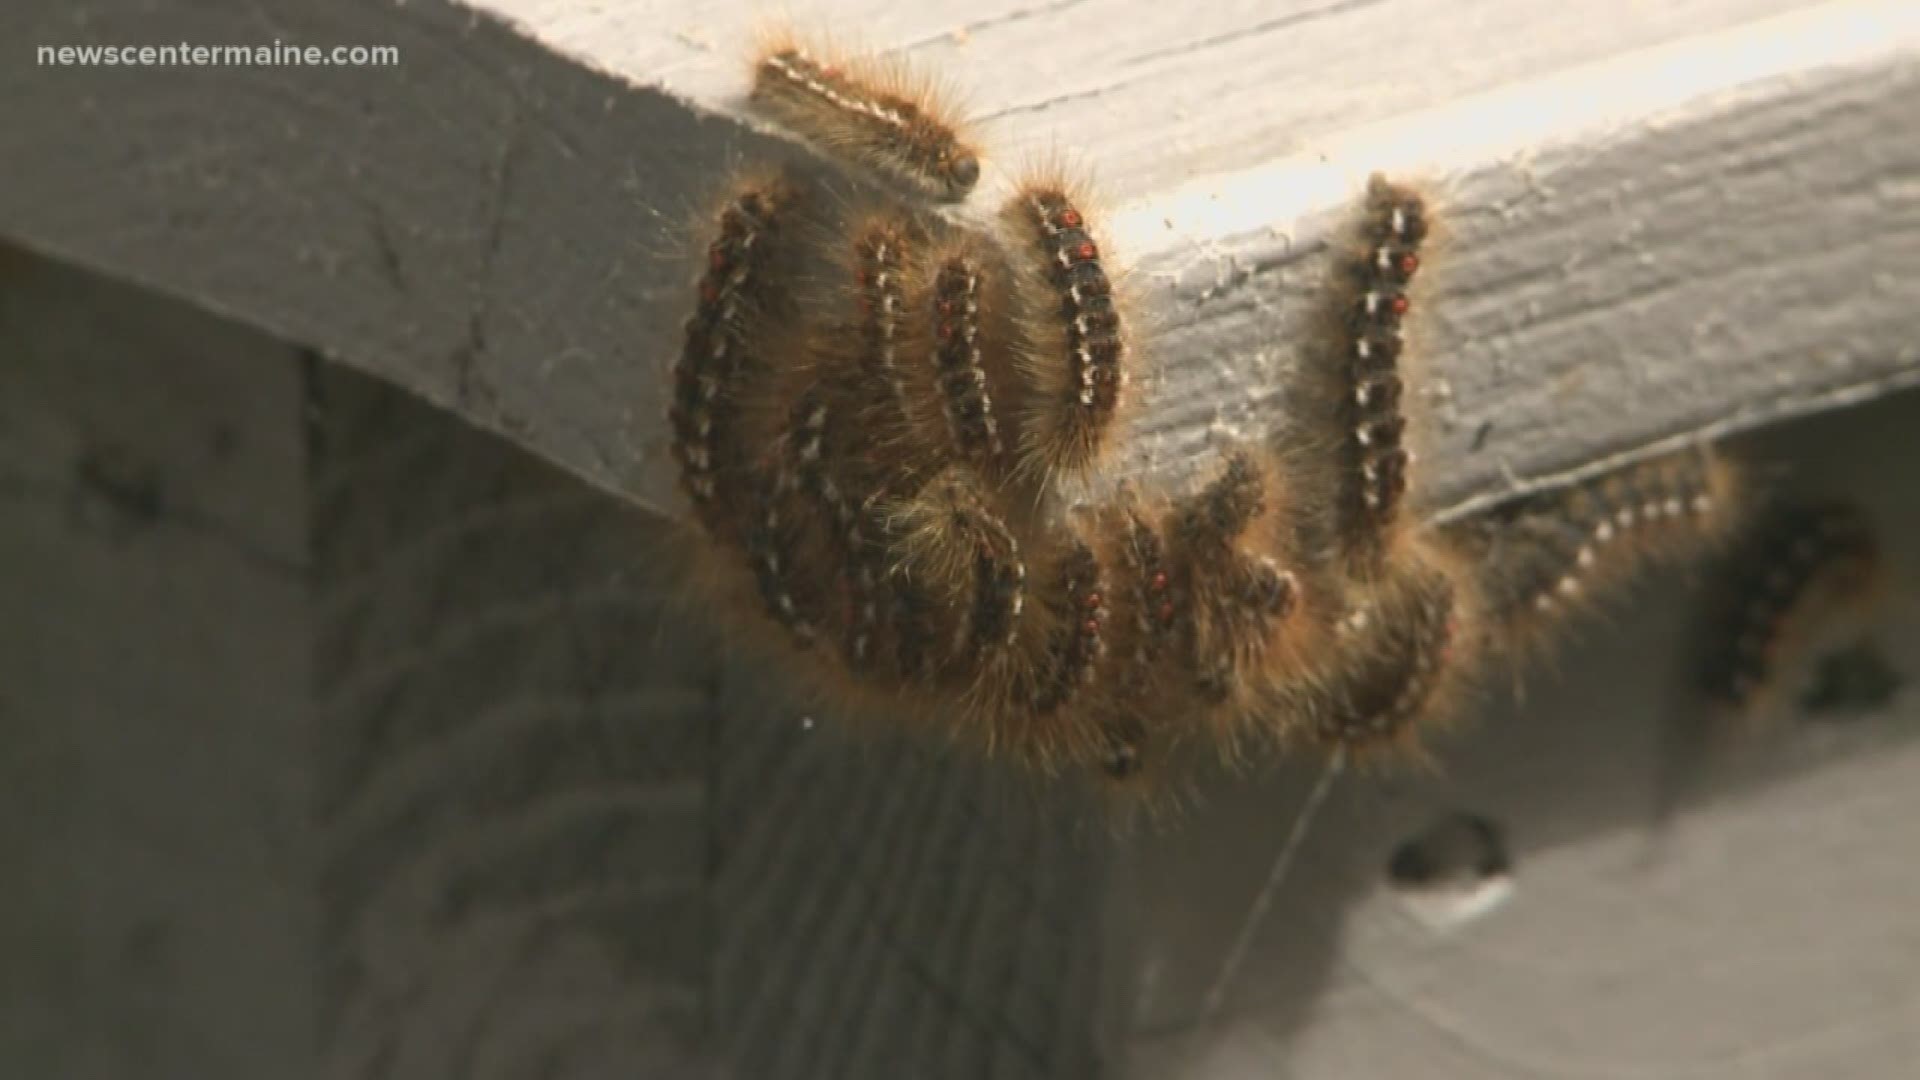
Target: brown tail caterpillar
x=960, y=381
x=736, y=292
x=1402, y=655
x=880, y=114
x=1236, y=594
x=957, y=549
x=1793, y=580
x=1554, y=554
x=1370, y=298
x=1072, y=347
x=1075, y=645
x=773, y=552
x=880, y=250
x=818, y=443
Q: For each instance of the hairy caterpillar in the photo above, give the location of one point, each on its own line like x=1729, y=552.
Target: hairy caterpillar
x=1368, y=300
x=1075, y=643
x=850, y=534
x=1228, y=570
x=776, y=537
x=960, y=300
x=880, y=252
x=1401, y=656
x=882, y=115
x=737, y=292
x=1795, y=579
x=957, y=547
x=1550, y=556
x=1072, y=343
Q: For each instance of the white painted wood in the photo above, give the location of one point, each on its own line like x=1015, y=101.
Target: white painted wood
x=1666, y=219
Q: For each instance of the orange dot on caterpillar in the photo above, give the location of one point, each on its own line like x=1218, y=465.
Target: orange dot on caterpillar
x=880, y=114
x=1794, y=580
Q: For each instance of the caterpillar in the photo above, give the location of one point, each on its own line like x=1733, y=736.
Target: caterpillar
x=1237, y=593
x=882, y=115
x=1549, y=557
x=962, y=554
x=880, y=254
x=736, y=294
x=851, y=536
x=777, y=535
x=1400, y=660
x=1072, y=343
x=1075, y=644
x=1793, y=580
x=961, y=374
x=1368, y=301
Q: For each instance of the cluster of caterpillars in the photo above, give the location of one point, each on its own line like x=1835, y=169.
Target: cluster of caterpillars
x=872, y=406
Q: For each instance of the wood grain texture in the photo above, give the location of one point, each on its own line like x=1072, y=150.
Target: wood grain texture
x=1677, y=220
